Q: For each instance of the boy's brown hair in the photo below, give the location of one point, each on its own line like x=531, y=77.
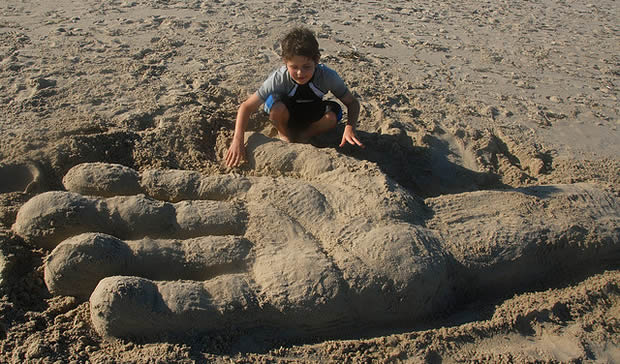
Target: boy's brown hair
x=300, y=41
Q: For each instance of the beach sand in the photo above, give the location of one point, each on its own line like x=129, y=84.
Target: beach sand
x=461, y=100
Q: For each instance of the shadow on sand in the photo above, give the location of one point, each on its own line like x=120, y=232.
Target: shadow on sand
x=425, y=171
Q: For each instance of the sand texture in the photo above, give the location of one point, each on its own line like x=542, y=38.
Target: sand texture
x=481, y=222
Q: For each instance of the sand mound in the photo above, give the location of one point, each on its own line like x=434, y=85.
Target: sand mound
x=325, y=251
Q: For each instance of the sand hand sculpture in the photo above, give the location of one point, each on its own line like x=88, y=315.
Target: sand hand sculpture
x=318, y=243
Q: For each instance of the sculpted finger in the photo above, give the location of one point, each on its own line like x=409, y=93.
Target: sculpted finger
x=102, y=179
x=176, y=185
x=49, y=218
x=131, y=306
x=77, y=264
x=107, y=180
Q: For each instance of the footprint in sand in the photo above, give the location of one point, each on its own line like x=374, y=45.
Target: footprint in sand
x=316, y=242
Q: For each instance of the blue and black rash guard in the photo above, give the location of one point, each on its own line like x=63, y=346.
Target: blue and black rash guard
x=280, y=85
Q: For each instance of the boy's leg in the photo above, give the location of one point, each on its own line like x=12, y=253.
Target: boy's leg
x=279, y=116
x=332, y=114
x=327, y=122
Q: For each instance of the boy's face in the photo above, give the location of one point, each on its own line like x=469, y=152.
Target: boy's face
x=300, y=68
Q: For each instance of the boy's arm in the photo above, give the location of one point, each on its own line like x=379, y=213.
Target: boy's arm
x=236, y=152
x=353, y=112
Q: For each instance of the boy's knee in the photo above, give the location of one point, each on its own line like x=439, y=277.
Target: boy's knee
x=331, y=118
x=279, y=112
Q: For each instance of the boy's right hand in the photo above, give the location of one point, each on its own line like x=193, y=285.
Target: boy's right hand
x=236, y=154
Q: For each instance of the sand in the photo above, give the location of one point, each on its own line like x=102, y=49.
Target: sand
x=480, y=223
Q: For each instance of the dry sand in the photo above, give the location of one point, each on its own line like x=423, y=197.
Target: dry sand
x=480, y=112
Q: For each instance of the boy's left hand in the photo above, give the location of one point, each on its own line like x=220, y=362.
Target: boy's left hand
x=349, y=137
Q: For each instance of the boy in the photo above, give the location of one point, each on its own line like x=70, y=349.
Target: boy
x=293, y=97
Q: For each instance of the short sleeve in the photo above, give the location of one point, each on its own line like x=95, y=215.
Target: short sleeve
x=274, y=84
x=333, y=82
